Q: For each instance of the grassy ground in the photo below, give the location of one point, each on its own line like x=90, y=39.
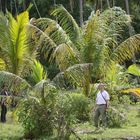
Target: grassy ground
x=13, y=131
x=10, y=130
x=130, y=131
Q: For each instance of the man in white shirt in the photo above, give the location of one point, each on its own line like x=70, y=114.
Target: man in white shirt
x=102, y=102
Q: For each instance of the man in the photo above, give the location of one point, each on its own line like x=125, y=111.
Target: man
x=4, y=104
x=102, y=103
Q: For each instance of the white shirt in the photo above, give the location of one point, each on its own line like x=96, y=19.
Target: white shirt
x=101, y=97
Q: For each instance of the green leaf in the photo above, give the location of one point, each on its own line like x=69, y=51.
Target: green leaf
x=38, y=72
x=134, y=69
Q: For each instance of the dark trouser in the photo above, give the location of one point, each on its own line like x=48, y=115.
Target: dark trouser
x=100, y=112
x=3, y=113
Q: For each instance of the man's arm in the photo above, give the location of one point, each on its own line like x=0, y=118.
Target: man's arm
x=107, y=104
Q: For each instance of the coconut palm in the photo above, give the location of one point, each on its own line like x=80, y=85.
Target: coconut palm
x=98, y=43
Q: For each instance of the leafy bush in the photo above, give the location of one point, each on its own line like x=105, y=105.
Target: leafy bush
x=80, y=105
x=40, y=114
x=36, y=114
x=124, y=99
x=116, y=117
x=71, y=107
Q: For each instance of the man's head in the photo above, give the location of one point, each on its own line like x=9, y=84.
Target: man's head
x=101, y=86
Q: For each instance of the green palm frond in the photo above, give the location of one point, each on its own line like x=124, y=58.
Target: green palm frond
x=67, y=22
x=14, y=83
x=53, y=40
x=96, y=39
x=65, y=56
x=41, y=41
x=126, y=49
x=116, y=19
x=43, y=89
x=38, y=72
x=4, y=31
x=60, y=80
x=18, y=48
x=52, y=29
x=95, y=28
x=14, y=47
x=80, y=73
x=2, y=64
x=43, y=83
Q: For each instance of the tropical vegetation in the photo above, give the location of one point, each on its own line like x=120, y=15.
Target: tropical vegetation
x=51, y=61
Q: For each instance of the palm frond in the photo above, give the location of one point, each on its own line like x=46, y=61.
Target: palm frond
x=80, y=73
x=52, y=29
x=38, y=72
x=41, y=41
x=14, y=49
x=43, y=88
x=39, y=86
x=126, y=49
x=95, y=28
x=51, y=41
x=60, y=80
x=67, y=22
x=18, y=48
x=15, y=84
x=2, y=64
x=4, y=31
x=65, y=56
x=116, y=19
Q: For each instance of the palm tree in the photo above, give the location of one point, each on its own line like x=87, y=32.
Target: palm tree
x=15, y=51
x=96, y=44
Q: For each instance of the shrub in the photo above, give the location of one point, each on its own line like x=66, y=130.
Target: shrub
x=71, y=107
x=36, y=114
x=80, y=105
x=40, y=114
x=116, y=117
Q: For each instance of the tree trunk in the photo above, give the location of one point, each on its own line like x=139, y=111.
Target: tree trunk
x=3, y=5
x=131, y=29
x=0, y=6
x=108, y=3
x=54, y=2
x=81, y=12
x=96, y=5
x=101, y=5
x=71, y=5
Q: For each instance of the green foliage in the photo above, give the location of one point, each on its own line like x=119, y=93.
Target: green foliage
x=36, y=114
x=2, y=64
x=41, y=114
x=38, y=72
x=116, y=117
x=134, y=69
x=15, y=84
x=53, y=42
x=117, y=78
x=67, y=22
x=14, y=48
x=80, y=105
x=71, y=107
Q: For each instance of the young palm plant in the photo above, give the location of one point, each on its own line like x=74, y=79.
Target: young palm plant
x=97, y=44
x=14, y=50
